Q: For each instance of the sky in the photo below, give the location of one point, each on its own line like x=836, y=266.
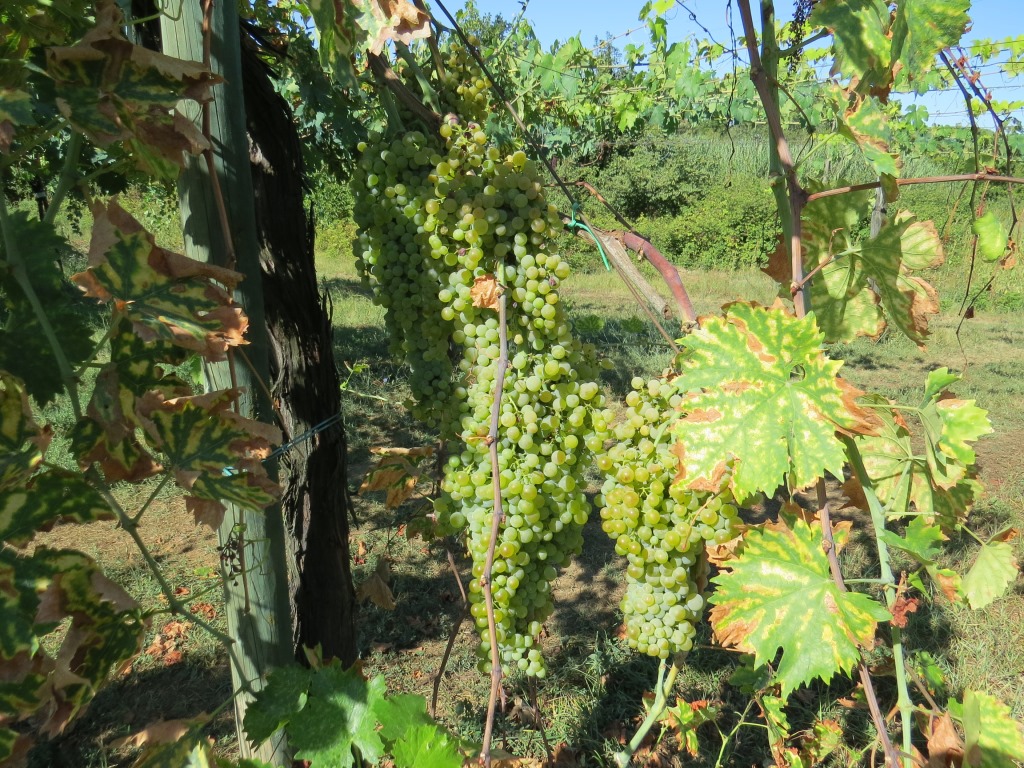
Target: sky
x=560, y=19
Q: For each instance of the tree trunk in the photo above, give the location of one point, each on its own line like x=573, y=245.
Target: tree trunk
x=305, y=382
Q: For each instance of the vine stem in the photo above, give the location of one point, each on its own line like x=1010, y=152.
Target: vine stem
x=17, y=264
x=793, y=198
x=176, y=606
x=903, y=701
x=666, y=681
x=950, y=179
x=496, y=520
x=451, y=638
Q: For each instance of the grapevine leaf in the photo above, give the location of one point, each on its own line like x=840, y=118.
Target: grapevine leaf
x=944, y=745
x=759, y=392
x=15, y=110
x=166, y=295
x=22, y=441
x=940, y=483
x=686, y=717
x=14, y=746
x=919, y=540
x=50, y=497
x=860, y=33
x=485, y=292
x=993, y=739
x=338, y=716
x=858, y=279
x=24, y=348
x=992, y=573
x=215, y=453
x=112, y=90
x=107, y=434
x=273, y=706
x=992, y=236
x=414, y=739
x=920, y=30
x=866, y=125
x=191, y=752
x=778, y=586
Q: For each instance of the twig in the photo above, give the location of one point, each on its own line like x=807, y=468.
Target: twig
x=67, y=176
x=797, y=197
x=664, y=689
x=496, y=520
x=454, y=634
x=979, y=176
x=539, y=721
x=447, y=653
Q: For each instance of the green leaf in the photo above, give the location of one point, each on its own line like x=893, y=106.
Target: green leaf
x=940, y=481
x=685, y=718
x=426, y=746
x=413, y=738
x=919, y=541
x=167, y=296
x=277, y=702
x=860, y=278
x=24, y=349
x=338, y=716
x=776, y=588
x=992, y=236
x=993, y=739
x=760, y=394
x=993, y=572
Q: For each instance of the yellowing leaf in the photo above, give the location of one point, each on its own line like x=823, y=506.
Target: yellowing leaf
x=112, y=91
x=166, y=295
x=994, y=570
x=397, y=473
x=385, y=20
x=760, y=396
x=993, y=739
x=774, y=590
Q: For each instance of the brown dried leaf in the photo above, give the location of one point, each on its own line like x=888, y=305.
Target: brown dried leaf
x=780, y=266
x=485, y=292
x=395, y=20
x=945, y=750
x=160, y=732
x=376, y=589
x=902, y=607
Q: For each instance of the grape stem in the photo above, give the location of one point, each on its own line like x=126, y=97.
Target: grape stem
x=661, y=696
x=496, y=520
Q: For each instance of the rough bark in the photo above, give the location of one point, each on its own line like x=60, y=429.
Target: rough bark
x=304, y=380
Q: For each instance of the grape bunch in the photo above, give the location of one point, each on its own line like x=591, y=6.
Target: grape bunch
x=438, y=215
x=660, y=527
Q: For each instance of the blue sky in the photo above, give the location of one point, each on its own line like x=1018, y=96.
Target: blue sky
x=560, y=19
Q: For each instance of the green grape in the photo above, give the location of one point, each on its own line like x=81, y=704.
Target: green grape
x=661, y=528
x=444, y=210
